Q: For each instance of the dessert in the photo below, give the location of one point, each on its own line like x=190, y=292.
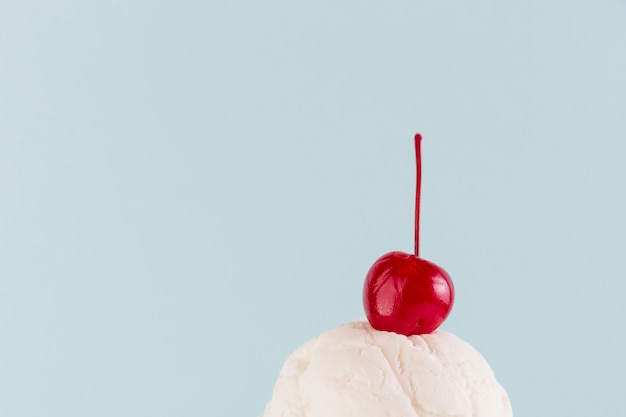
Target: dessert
x=396, y=364
x=355, y=370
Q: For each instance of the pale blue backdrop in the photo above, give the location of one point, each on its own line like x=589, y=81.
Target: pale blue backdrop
x=189, y=190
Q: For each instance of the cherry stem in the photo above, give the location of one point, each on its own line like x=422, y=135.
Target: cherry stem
x=418, y=190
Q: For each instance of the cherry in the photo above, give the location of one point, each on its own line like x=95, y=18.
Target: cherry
x=404, y=293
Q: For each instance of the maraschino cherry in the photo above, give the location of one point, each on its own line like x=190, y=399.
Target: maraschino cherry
x=404, y=293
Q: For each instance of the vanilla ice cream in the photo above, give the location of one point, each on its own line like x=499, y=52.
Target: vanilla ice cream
x=356, y=371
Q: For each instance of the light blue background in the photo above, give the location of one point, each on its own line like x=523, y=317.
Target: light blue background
x=189, y=190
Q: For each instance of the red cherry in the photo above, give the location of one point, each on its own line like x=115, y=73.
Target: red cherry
x=404, y=293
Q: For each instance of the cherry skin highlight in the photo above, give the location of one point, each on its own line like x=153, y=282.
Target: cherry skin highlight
x=406, y=294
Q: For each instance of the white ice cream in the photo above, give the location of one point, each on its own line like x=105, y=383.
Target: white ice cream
x=356, y=371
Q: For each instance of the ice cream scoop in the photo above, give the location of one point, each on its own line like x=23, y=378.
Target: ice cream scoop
x=355, y=370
